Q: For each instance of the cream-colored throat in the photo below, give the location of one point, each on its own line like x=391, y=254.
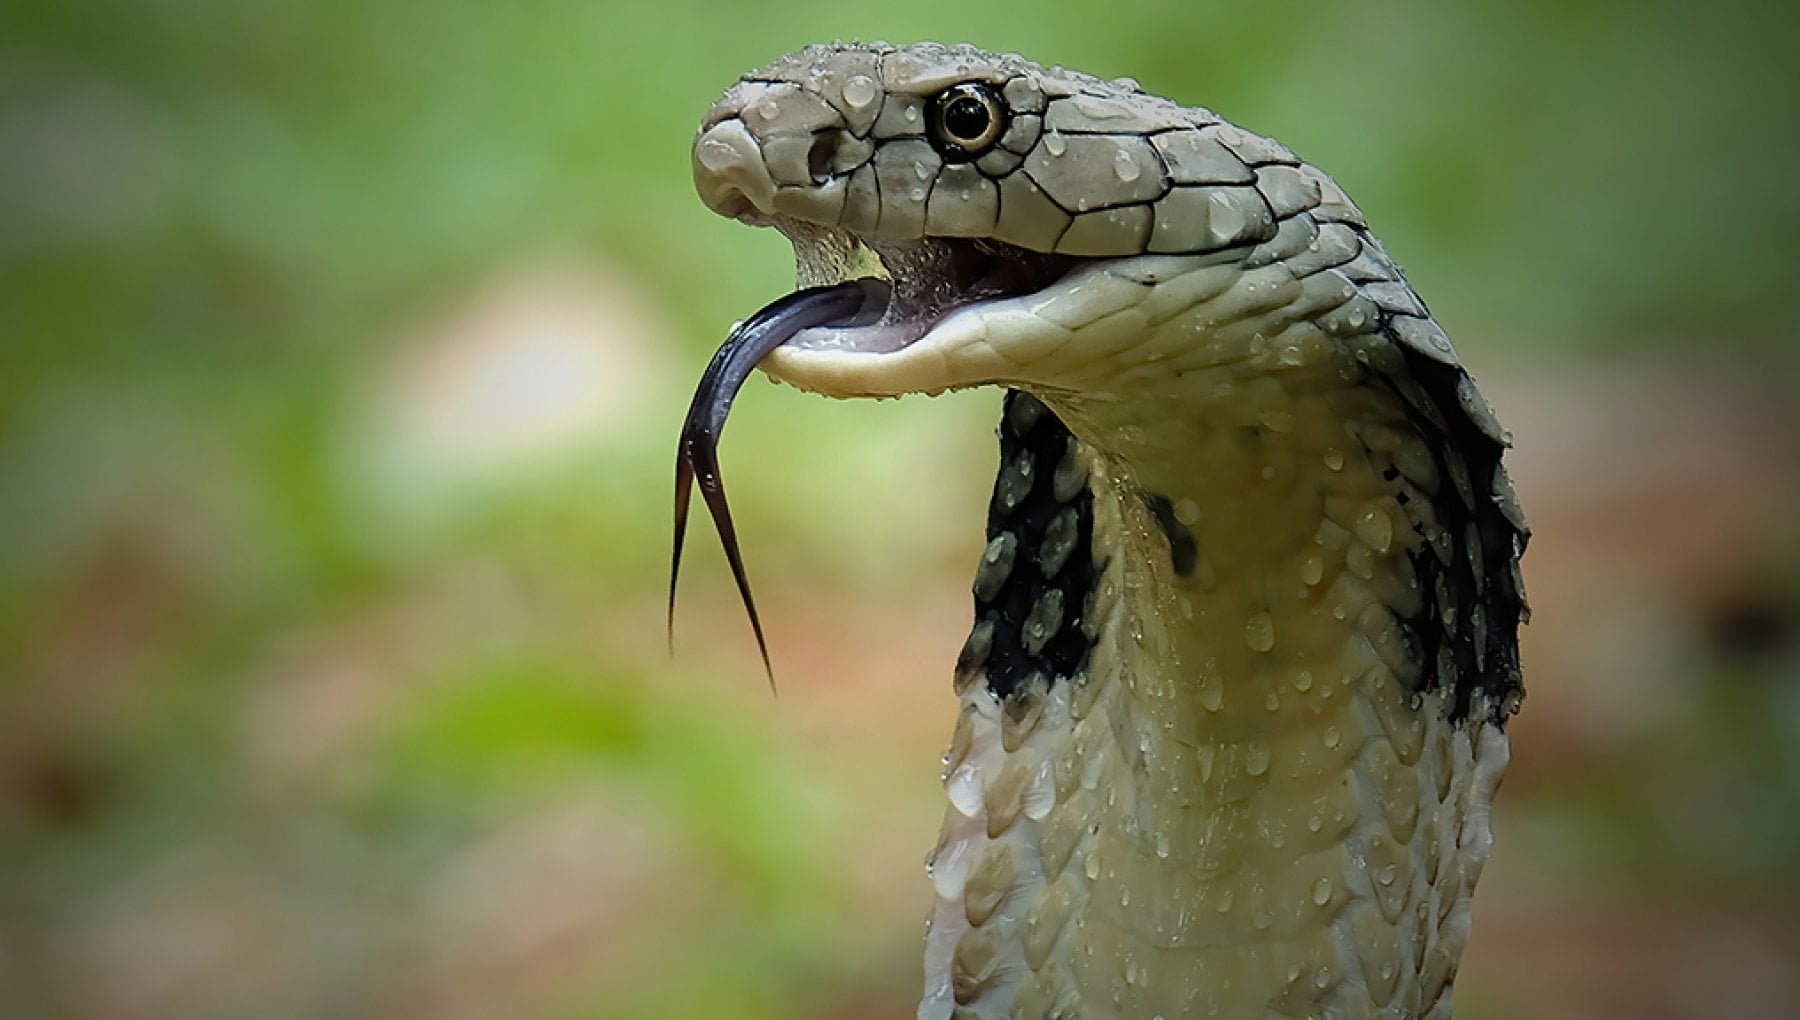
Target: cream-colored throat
x=1246, y=802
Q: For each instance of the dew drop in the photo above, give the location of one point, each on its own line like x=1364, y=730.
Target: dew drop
x=1224, y=904
x=1212, y=689
x=1321, y=893
x=716, y=155
x=1332, y=737
x=1312, y=569
x=859, y=91
x=1273, y=702
x=1375, y=528
x=1256, y=758
x=1259, y=632
x=1224, y=217
x=1126, y=167
x=1091, y=866
x=1054, y=144
x=1334, y=459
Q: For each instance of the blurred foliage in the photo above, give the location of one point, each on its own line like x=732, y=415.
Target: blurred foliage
x=225, y=230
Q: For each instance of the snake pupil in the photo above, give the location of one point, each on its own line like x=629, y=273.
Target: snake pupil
x=967, y=120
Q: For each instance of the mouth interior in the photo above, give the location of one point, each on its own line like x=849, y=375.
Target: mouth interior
x=926, y=279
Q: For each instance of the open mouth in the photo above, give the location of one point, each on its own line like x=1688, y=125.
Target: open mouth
x=857, y=296
x=925, y=279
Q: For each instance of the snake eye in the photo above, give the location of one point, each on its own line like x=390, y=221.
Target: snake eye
x=966, y=120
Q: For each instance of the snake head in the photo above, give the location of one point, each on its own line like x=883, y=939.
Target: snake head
x=964, y=178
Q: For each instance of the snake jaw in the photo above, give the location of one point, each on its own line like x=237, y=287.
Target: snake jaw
x=915, y=289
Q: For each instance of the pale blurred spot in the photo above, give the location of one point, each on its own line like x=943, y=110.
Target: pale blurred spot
x=542, y=364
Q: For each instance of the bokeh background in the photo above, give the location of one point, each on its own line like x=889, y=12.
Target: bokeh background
x=342, y=350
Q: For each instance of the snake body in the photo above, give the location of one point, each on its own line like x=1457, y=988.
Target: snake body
x=1233, y=706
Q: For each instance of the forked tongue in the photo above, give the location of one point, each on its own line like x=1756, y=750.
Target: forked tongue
x=697, y=455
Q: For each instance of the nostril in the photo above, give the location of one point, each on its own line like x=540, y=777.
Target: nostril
x=820, y=157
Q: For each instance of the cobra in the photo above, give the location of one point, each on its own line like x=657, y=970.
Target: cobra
x=1233, y=706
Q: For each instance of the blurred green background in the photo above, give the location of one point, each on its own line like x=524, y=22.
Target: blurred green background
x=344, y=347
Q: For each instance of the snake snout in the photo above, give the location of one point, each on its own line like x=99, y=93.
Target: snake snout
x=729, y=171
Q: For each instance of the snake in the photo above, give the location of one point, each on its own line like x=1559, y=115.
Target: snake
x=1233, y=708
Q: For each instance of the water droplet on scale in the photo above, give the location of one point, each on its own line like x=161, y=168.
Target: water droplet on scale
x=859, y=91
x=1259, y=632
x=1224, y=217
x=1312, y=570
x=1212, y=689
x=1126, y=167
x=1375, y=528
x=1256, y=758
x=716, y=155
x=1054, y=144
